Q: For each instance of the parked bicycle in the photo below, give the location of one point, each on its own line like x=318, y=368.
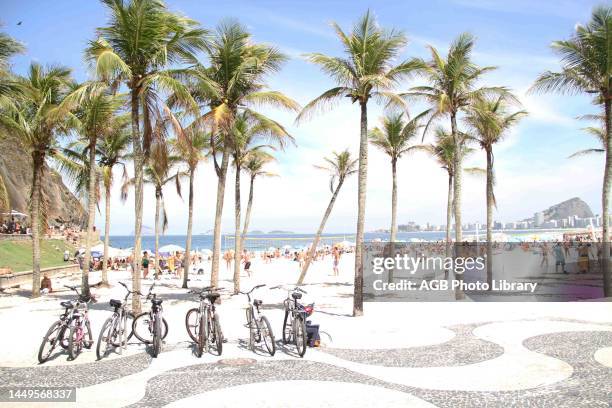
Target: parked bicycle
x=258, y=324
x=151, y=327
x=114, y=333
x=294, y=323
x=72, y=331
x=202, y=322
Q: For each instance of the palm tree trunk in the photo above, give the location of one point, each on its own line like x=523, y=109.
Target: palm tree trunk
x=157, y=232
x=394, y=200
x=457, y=173
x=247, y=216
x=138, y=198
x=237, y=250
x=315, y=243
x=37, y=166
x=607, y=272
x=91, y=208
x=361, y=203
x=107, y=194
x=490, y=218
x=449, y=218
x=214, y=275
x=189, y=230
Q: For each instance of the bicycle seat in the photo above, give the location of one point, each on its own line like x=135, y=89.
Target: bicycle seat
x=296, y=295
x=212, y=297
x=157, y=302
x=115, y=303
x=67, y=304
x=257, y=302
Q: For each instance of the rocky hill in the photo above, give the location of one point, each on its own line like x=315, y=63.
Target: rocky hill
x=16, y=170
x=573, y=206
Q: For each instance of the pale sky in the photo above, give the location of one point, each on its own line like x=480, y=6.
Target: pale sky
x=533, y=171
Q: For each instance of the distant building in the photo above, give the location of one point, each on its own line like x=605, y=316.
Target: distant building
x=538, y=219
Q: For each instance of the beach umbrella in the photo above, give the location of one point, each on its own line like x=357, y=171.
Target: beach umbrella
x=171, y=248
x=271, y=249
x=206, y=251
x=287, y=247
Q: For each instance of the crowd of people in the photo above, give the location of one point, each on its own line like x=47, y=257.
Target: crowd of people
x=14, y=226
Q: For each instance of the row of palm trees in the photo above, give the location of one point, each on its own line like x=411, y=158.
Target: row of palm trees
x=150, y=83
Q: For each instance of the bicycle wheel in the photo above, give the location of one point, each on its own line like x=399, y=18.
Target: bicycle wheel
x=252, y=325
x=75, y=340
x=51, y=339
x=287, y=329
x=191, y=323
x=157, y=338
x=140, y=328
x=87, y=336
x=201, y=339
x=129, y=322
x=300, y=335
x=106, y=337
x=218, y=336
x=265, y=330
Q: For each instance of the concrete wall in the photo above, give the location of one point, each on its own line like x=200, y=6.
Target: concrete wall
x=16, y=279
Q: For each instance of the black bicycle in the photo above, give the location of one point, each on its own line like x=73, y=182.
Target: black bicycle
x=114, y=333
x=72, y=331
x=202, y=322
x=294, y=323
x=151, y=327
x=259, y=327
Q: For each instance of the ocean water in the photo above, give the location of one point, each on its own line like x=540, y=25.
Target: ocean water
x=263, y=241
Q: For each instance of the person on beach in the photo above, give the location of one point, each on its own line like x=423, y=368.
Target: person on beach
x=246, y=260
x=544, y=262
x=170, y=263
x=45, y=285
x=228, y=256
x=145, y=265
x=559, y=257
x=583, y=258
x=178, y=263
x=335, y=259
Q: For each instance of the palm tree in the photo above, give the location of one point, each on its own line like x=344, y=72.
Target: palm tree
x=598, y=132
x=36, y=120
x=249, y=129
x=453, y=86
x=366, y=72
x=340, y=166
x=8, y=88
x=95, y=111
x=587, y=68
x=192, y=144
x=234, y=82
x=112, y=151
x=395, y=139
x=159, y=172
x=141, y=40
x=489, y=120
x=254, y=164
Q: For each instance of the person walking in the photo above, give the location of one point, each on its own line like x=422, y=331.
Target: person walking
x=559, y=257
x=145, y=265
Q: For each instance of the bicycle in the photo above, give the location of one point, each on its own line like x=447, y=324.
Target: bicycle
x=154, y=323
x=294, y=323
x=202, y=322
x=114, y=329
x=258, y=324
x=75, y=320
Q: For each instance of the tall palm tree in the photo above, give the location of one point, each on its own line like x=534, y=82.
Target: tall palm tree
x=394, y=138
x=159, y=172
x=248, y=130
x=587, y=68
x=36, y=120
x=340, y=166
x=8, y=89
x=192, y=145
x=140, y=41
x=489, y=120
x=254, y=164
x=453, y=86
x=95, y=111
x=367, y=71
x=113, y=152
x=598, y=132
x=234, y=81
